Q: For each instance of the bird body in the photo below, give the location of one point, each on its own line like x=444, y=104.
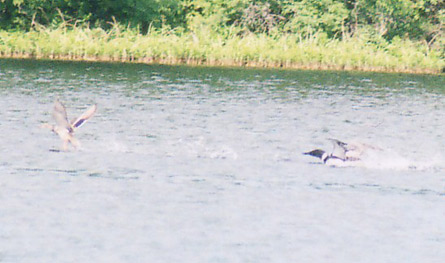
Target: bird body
x=64, y=128
x=343, y=154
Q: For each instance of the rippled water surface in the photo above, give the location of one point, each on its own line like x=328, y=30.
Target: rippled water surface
x=184, y=164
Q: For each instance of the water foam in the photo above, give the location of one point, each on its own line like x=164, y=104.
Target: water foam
x=390, y=159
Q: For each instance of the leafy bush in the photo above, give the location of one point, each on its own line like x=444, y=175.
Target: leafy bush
x=378, y=20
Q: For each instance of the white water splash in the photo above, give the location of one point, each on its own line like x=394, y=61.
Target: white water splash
x=389, y=159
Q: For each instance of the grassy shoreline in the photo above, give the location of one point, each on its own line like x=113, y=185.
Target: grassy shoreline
x=205, y=48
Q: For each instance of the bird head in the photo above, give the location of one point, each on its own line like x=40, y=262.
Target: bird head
x=316, y=153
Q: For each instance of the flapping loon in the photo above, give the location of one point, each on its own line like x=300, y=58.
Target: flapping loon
x=64, y=128
x=342, y=154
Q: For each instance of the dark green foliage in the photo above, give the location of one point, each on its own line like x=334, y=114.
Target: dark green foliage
x=260, y=17
x=381, y=20
x=402, y=18
x=311, y=16
x=21, y=14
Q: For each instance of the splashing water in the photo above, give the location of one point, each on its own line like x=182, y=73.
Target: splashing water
x=207, y=162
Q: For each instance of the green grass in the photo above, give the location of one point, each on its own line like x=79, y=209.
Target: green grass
x=207, y=48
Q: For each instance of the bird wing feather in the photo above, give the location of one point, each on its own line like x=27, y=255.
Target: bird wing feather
x=76, y=123
x=59, y=115
x=339, y=149
x=356, y=150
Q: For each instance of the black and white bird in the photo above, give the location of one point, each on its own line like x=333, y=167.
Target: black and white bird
x=343, y=154
x=64, y=128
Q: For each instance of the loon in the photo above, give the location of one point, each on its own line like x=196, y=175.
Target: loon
x=343, y=154
x=64, y=128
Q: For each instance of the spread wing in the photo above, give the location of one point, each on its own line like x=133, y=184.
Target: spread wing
x=356, y=150
x=351, y=151
x=59, y=114
x=84, y=117
x=340, y=149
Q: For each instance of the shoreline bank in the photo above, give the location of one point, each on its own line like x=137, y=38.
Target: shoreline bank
x=241, y=64
x=200, y=49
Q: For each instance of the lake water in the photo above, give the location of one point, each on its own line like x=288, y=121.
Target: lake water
x=194, y=164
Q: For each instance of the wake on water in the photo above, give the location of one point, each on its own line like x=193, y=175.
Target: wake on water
x=383, y=158
x=376, y=158
x=388, y=159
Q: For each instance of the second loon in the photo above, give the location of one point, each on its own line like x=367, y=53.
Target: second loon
x=343, y=154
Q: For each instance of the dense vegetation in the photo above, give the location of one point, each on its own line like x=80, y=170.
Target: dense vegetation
x=388, y=31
